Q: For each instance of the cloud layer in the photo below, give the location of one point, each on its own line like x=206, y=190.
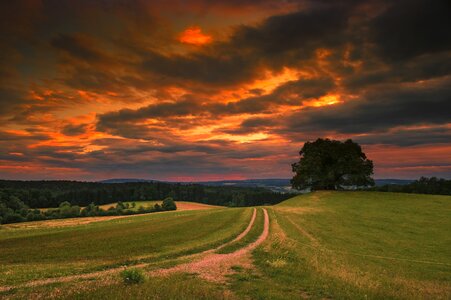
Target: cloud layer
x=93, y=89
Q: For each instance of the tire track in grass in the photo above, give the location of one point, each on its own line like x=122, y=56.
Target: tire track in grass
x=250, y=237
x=241, y=235
x=315, y=244
x=110, y=271
x=215, y=266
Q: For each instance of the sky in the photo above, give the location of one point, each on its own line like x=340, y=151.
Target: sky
x=211, y=90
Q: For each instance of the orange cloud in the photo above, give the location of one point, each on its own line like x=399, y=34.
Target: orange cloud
x=194, y=36
x=324, y=101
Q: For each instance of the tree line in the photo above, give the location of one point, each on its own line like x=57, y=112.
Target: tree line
x=424, y=185
x=13, y=210
x=20, y=200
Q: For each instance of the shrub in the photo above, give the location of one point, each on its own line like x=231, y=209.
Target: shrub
x=157, y=207
x=13, y=218
x=133, y=276
x=169, y=204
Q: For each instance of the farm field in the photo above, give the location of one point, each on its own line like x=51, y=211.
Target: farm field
x=181, y=205
x=323, y=245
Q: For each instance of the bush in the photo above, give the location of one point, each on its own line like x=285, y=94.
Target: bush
x=157, y=207
x=133, y=276
x=13, y=218
x=169, y=204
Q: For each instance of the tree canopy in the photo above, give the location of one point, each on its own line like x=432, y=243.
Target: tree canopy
x=329, y=165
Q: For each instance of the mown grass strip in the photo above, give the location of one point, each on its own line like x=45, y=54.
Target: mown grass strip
x=150, y=236
x=251, y=237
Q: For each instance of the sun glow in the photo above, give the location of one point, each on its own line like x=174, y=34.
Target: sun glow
x=194, y=36
x=324, y=101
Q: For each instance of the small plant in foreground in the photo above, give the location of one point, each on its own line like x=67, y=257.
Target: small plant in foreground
x=133, y=276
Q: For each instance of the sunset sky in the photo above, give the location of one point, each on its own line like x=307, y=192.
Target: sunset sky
x=209, y=90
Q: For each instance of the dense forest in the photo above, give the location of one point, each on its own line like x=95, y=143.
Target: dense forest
x=424, y=185
x=20, y=200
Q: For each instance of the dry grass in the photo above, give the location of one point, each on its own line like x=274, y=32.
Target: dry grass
x=181, y=206
x=60, y=222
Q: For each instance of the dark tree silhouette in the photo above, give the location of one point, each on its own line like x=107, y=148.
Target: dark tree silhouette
x=329, y=165
x=168, y=204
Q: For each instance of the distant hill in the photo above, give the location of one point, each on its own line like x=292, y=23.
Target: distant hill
x=274, y=184
x=380, y=182
x=125, y=180
x=280, y=185
x=249, y=182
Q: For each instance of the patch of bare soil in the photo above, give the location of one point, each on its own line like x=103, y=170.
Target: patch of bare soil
x=214, y=266
x=194, y=206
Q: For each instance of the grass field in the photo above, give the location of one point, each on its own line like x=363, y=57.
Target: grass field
x=324, y=245
x=27, y=254
x=181, y=205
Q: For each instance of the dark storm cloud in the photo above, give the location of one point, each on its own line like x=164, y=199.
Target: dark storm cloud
x=74, y=129
x=220, y=148
x=291, y=93
x=408, y=137
x=280, y=41
x=76, y=46
x=411, y=28
x=253, y=125
x=11, y=137
x=419, y=68
x=9, y=100
x=380, y=110
x=389, y=63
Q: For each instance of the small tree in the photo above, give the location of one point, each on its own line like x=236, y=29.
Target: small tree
x=328, y=165
x=64, y=204
x=90, y=210
x=168, y=204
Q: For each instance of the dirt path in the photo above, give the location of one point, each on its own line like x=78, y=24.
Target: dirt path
x=241, y=235
x=103, y=273
x=214, y=266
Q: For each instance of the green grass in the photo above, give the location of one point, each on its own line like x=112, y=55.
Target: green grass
x=324, y=245
x=252, y=236
x=355, y=245
x=27, y=254
x=177, y=286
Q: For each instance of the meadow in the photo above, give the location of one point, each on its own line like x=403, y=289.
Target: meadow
x=323, y=245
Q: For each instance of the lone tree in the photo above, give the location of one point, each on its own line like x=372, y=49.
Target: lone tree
x=329, y=165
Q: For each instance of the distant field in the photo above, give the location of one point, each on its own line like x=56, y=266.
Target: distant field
x=323, y=245
x=181, y=205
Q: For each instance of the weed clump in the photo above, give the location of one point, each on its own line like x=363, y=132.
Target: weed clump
x=133, y=276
